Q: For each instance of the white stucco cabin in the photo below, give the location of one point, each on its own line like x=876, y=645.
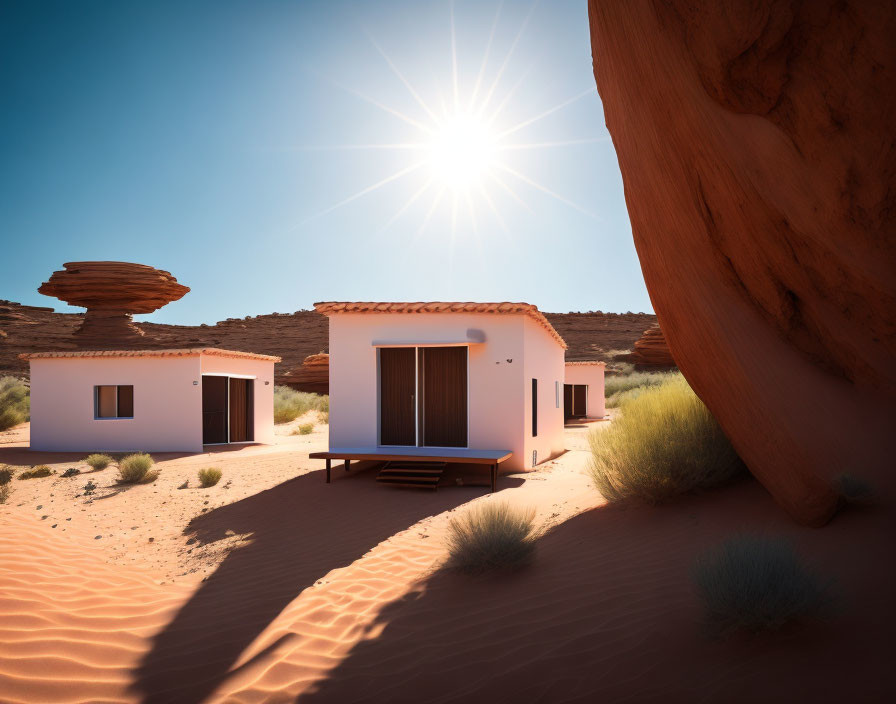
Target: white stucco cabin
x=583, y=390
x=174, y=400
x=446, y=378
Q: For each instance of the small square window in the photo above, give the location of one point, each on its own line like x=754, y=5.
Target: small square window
x=113, y=401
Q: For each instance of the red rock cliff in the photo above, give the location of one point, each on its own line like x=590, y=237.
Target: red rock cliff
x=756, y=145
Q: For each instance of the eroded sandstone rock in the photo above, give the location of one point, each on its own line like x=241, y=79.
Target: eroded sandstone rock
x=757, y=150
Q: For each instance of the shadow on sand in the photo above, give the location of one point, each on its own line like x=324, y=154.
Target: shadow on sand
x=608, y=612
x=299, y=531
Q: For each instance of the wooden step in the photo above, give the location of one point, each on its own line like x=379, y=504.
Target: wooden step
x=420, y=475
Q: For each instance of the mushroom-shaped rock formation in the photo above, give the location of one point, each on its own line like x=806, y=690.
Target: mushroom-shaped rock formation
x=312, y=375
x=112, y=292
x=757, y=149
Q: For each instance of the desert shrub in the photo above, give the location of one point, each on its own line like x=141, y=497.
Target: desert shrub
x=41, y=470
x=323, y=417
x=304, y=429
x=289, y=404
x=6, y=474
x=136, y=469
x=621, y=387
x=89, y=487
x=491, y=536
x=758, y=583
x=15, y=402
x=71, y=472
x=5, y=491
x=665, y=443
x=97, y=461
x=854, y=489
x=209, y=476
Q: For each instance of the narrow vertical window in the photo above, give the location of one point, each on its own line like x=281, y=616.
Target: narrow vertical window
x=534, y=407
x=556, y=394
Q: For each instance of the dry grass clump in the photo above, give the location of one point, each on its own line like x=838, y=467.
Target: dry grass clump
x=41, y=470
x=665, y=443
x=619, y=388
x=304, y=429
x=289, y=404
x=209, y=476
x=491, y=536
x=137, y=469
x=15, y=402
x=6, y=474
x=5, y=491
x=98, y=461
x=756, y=583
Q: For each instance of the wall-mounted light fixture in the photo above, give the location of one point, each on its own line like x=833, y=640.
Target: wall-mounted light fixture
x=267, y=383
x=195, y=383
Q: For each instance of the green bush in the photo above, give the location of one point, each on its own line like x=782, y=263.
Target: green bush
x=135, y=469
x=41, y=470
x=289, y=404
x=756, y=583
x=6, y=474
x=304, y=429
x=209, y=476
x=15, y=402
x=491, y=536
x=97, y=461
x=665, y=443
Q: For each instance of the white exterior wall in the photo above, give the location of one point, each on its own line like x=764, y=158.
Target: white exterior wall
x=167, y=406
x=593, y=376
x=544, y=361
x=263, y=374
x=498, y=389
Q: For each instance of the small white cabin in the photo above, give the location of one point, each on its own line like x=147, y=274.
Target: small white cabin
x=583, y=390
x=420, y=377
x=173, y=400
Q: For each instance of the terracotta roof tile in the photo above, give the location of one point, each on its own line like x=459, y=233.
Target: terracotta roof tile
x=507, y=308
x=191, y=352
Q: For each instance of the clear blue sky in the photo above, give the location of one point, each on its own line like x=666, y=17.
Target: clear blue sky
x=217, y=140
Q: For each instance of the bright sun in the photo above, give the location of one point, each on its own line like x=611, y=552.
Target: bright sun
x=462, y=151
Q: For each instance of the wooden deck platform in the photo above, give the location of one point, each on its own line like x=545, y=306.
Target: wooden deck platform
x=462, y=455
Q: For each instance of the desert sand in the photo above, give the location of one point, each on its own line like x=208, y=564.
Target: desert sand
x=274, y=586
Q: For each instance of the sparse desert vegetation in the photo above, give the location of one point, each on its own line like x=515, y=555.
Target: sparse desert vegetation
x=6, y=474
x=71, y=472
x=304, y=429
x=98, y=461
x=665, y=443
x=621, y=387
x=15, y=402
x=209, y=476
x=289, y=404
x=491, y=536
x=37, y=472
x=758, y=583
x=137, y=469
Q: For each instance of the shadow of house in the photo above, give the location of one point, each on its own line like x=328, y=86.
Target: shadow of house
x=608, y=612
x=298, y=532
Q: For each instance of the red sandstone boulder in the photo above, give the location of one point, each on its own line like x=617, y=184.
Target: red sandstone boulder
x=757, y=149
x=312, y=375
x=651, y=350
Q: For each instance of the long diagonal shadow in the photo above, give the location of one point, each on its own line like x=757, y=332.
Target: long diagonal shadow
x=300, y=530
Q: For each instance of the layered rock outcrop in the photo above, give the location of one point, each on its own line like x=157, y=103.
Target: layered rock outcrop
x=312, y=375
x=112, y=292
x=652, y=351
x=756, y=146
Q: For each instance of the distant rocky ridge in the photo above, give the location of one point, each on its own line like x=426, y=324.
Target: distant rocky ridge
x=291, y=336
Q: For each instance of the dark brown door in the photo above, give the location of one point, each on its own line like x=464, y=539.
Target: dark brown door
x=398, y=408
x=567, y=402
x=214, y=409
x=579, y=395
x=241, y=410
x=444, y=384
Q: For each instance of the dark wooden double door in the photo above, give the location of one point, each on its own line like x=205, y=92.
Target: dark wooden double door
x=575, y=398
x=227, y=410
x=423, y=396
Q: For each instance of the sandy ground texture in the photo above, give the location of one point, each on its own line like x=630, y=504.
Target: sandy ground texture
x=275, y=587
